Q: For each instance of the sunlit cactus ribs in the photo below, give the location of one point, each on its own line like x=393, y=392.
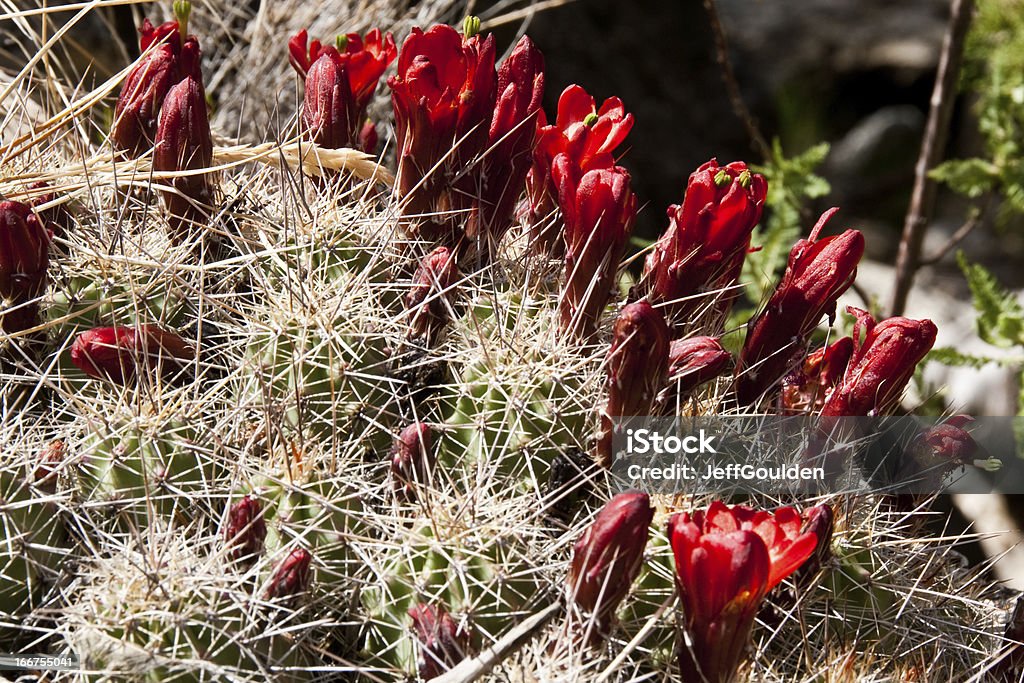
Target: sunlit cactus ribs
x=287, y=410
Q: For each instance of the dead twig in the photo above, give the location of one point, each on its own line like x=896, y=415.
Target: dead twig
x=922, y=200
x=732, y=88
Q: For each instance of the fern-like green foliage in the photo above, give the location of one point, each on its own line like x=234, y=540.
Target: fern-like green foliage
x=994, y=72
x=792, y=182
x=1000, y=319
x=947, y=355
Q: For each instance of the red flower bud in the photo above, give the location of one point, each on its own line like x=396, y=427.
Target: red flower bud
x=50, y=459
x=820, y=521
x=146, y=86
x=608, y=556
x=24, y=258
x=637, y=367
x=598, y=209
x=169, y=31
x=727, y=559
x=882, y=364
x=115, y=353
x=950, y=442
x=817, y=274
x=144, y=89
x=246, y=530
x=339, y=84
x=805, y=389
x=183, y=143
x=588, y=135
x=291, y=576
x=412, y=458
x=693, y=362
x=707, y=239
x=57, y=219
x=443, y=644
x=429, y=301
x=501, y=172
x=443, y=97
x=368, y=137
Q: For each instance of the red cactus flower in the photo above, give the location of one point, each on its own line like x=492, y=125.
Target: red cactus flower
x=817, y=274
x=501, y=172
x=588, y=134
x=339, y=84
x=882, y=364
x=707, y=238
x=428, y=303
x=805, y=389
x=412, y=458
x=933, y=454
x=443, y=643
x=692, y=362
x=637, y=367
x=608, y=556
x=301, y=56
x=115, y=353
x=727, y=559
x=184, y=143
x=599, y=210
x=24, y=259
x=443, y=97
x=290, y=577
x=246, y=529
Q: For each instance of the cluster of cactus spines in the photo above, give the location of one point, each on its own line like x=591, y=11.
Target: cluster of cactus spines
x=364, y=474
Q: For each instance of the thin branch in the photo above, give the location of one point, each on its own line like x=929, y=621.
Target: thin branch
x=957, y=237
x=732, y=88
x=922, y=200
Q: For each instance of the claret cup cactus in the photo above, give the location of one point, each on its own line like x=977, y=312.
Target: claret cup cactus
x=368, y=435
